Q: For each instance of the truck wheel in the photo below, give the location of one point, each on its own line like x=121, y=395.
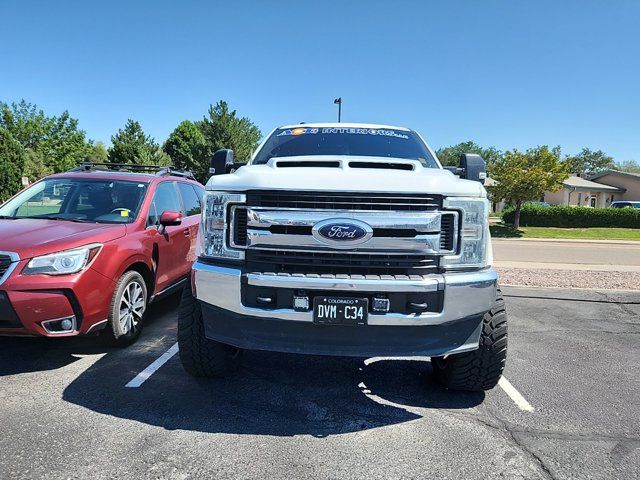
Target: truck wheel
x=126, y=312
x=480, y=369
x=200, y=356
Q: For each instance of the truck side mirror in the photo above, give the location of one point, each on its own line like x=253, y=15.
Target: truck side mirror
x=473, y=167
x=221, y=162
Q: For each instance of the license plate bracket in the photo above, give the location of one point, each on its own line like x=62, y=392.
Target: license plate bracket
x=340, y=310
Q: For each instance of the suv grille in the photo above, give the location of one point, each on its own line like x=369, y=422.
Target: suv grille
x=278, y=261
x=5, y=262
x=342, y=201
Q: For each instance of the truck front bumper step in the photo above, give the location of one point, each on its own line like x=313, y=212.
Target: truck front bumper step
x=465, y=294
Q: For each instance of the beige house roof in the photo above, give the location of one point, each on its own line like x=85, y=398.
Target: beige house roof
x=634, y=176
x=584, y=184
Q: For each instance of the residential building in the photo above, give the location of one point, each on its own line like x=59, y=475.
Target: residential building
x=628, y=183
x=578, y=191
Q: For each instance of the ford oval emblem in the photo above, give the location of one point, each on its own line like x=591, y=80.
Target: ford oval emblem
x=342, y=232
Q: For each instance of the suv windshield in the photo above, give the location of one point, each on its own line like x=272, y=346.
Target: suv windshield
x=78, y=200
x=370, y=142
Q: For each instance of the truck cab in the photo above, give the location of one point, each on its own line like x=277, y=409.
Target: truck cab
x=349, y=240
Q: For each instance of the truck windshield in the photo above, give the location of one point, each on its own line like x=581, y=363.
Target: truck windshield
x=78, y=200
x=370, y=142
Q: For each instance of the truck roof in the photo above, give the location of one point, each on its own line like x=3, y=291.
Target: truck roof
x=344, y=125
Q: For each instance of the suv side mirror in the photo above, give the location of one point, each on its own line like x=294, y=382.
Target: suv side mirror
x=170, y=218
x=221, y=162
x=473, y=167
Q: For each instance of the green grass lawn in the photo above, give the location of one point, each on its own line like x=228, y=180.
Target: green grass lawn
x=506, y=231
x=26, y=210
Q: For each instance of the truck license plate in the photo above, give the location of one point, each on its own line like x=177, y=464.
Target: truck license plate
x=340, y=310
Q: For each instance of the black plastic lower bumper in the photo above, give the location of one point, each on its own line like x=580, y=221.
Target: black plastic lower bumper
x=8, y=317
x=254, y=333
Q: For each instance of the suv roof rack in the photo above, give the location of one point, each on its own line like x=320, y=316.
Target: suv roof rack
x=158, y=170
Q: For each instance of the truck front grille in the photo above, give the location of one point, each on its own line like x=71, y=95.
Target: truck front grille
x=343, y=201
x=320, y=263
x=447, y=231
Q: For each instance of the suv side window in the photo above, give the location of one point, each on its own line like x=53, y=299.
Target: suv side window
x=165, y=198
x=200, y=191
x=190, y=200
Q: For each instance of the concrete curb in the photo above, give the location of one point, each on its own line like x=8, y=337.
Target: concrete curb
x=567, y=240
x=627, y=297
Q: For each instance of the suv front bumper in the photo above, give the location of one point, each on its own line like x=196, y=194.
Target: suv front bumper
x=467, y=296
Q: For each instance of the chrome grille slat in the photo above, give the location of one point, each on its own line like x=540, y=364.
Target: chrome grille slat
x=342, y=200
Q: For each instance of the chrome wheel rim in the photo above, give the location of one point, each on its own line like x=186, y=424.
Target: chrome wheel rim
x=132, y=306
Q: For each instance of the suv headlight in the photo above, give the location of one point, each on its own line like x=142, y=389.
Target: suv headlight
x=474, y=248
x=214, y=226
x=63, y=263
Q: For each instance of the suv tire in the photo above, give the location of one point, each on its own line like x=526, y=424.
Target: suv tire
x=200, y=356
x=131, y=290
x=479, y=369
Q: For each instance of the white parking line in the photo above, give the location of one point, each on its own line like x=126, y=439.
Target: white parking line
x=144, y=375
x=515, y=395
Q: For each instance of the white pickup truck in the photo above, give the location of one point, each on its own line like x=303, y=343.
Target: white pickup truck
x=351, y=240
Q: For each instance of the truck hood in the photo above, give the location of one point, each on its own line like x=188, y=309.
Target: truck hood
x=33, y=237
x=346, y=174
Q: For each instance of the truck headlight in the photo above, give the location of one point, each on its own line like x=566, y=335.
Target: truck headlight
x=474, y=247
x=214, y=226
x=63, y=263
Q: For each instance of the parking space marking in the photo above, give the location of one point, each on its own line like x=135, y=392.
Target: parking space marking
x=144, y=375
x=515, y=395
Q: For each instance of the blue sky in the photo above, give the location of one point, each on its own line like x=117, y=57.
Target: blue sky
x=503, y=73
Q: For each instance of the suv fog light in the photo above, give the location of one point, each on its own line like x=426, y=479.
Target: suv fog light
x=380, y=305
x=301, y=304
x=66, y=324
x=60, y=325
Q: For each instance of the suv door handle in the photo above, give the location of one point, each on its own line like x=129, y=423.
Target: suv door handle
x=186, y=232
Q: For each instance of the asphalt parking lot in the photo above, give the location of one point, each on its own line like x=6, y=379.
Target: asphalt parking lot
x=66, y=410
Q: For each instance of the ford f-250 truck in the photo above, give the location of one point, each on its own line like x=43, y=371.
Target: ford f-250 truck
x=351, y=240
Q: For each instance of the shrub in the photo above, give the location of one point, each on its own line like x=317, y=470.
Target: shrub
x=12, y=159
x=574, y=217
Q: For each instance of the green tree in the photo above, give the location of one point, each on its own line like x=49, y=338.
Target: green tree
x=98, y=153
x=12, y=158
x=629, y=166
x=35, y=165
x=523, y=176
x=589, y=162
x=132, y=145
x=223, y=128
x=57, y=139
x=451, y=155
x=188, y=150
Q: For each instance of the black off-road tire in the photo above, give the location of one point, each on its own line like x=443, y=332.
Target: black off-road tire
x=112, y=335
x=200, y=356
x=479, y=369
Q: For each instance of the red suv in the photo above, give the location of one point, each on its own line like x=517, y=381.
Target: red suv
x=87, y=250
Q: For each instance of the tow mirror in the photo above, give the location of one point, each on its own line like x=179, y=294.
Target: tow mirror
x=472, y=167
x=221, y=162
x=170, y=218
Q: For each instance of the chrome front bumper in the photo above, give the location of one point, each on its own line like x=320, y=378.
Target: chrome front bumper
x=465, y=293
